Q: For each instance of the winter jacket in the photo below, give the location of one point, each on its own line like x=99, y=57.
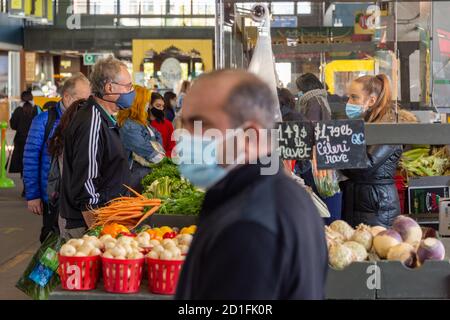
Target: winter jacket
x=21, y=123
x=36, y=159
x=314, y=105
x=165, y=128
x=95, y=163
x=370, y=195
x=258, y=237
x=137, y=140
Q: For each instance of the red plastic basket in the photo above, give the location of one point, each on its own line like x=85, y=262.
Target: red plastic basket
x=163, y=275
x=122, y=276
x=79, y=273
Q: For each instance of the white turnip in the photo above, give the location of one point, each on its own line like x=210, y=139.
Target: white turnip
x=340, y=256
x=343, y=228
x=430, y=249
x=359, y=252
x=403, y=252
x=363, y=236
x=384, y=241
x=408, y=229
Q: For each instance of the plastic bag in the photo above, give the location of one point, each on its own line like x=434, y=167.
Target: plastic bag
x=41, y=275
x=263, y=63
x=326, y=181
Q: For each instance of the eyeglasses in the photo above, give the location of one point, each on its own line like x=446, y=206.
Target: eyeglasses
x=128, y=86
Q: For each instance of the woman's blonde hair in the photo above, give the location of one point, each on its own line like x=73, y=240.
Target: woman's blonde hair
x=380, y=87
x=138, y=111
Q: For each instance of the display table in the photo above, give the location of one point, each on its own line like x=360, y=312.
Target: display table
x=100, y=294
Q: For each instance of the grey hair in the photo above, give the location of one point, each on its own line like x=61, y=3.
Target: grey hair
x=253, y=100
x=69, y=84
x=104, y=71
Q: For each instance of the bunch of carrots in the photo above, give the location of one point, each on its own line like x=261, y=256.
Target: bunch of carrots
x=127, y=211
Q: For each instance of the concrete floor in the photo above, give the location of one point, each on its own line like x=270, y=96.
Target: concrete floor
x=19, y=239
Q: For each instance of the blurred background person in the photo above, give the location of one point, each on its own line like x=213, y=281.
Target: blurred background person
x=140, y=141
x=313, y=102
x=287, y=106
x=20, y=121
x=185, y=86
x=170, y=104
x=159, y=122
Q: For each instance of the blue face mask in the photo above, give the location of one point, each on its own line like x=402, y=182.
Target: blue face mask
x=126, y=100
x=300, y=94
x=198, y=162
x=353, y=111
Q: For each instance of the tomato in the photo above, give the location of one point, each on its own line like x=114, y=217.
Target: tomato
x=169, y=235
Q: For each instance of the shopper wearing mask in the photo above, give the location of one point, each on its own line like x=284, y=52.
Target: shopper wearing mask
x=259, y=234
x=141, y=142
x=21, y=122
x=95, y=163
x=170, y=103
x=287, y=106
x=370, y=195
x=160, y=123
x=37, y=160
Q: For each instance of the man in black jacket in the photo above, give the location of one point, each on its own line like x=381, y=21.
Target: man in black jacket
x=95, y=166
x=259, y=235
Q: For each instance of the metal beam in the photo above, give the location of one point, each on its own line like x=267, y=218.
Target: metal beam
x=324, y=47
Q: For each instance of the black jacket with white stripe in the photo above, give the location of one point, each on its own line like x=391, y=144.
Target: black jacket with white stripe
x=95, y=163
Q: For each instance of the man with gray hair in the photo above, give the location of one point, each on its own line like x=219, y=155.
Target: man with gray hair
x=36, y=160
x=259, y=234
x=95, y=163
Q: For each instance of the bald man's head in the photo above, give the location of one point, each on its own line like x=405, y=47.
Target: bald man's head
x=227, y=98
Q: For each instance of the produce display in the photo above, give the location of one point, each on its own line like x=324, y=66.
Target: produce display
x=87, y=246
x=123, y=251
x=421, y=162
x=127, y=211
x=404, y=242
x=178, y=195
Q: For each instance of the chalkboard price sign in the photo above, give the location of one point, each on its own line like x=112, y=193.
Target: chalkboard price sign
x=340, y=144
x=295, y=140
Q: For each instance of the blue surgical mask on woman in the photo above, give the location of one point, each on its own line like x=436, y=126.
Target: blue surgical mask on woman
x=354, y=111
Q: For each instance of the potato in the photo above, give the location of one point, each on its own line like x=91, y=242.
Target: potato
x=154, y=242
x=183, y=248
x=176, y=252
x=118, y=251
x=158, y=249
x=80, y=254
x=75, y=242
x=110, y=245
x=86, y=248
x=166, y=255
x=153, y=255
x=108, y=255
x=185, y=239
x=95, y=252
x=68, y=250
x=143, y=236
x=106, y=238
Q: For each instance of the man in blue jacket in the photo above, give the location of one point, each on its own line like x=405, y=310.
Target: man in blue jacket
x=36, y=159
